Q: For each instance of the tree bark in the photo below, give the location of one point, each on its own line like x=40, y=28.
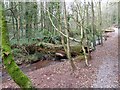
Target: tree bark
x=9, y=64
x=42, y=13
x=100, y=23
x=68, y=41
x=60, y=27
x=93, y=25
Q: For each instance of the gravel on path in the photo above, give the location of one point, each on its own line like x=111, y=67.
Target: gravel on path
x=107, y=75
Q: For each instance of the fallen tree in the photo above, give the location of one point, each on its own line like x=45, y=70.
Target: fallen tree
x=43, y=51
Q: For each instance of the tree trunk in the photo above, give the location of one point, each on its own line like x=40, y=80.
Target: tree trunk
x=28, y=20
x=60, y=27
x=83, y=44
x=68, y=41
x=93, y=25
x=18, y=37
x=100, y=23
x=9, y=64
x=87, y=16
x=42, y=13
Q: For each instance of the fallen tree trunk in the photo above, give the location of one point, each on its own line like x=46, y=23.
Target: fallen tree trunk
x=50, y=48
x=45, y=51
x=55, y=48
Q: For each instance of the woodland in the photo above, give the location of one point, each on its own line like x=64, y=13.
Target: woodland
x=74, y=38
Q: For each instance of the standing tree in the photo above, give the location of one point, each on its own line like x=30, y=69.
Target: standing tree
x=80, y=22
x=100, y=22
x=68, y=41
x=60, y=26
x=119, y=16
x=9, y=64
x=93, y=24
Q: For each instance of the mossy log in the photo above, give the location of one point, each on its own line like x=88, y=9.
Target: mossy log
x=55, y=52
x=58, y=50
x=9, y=64
x=48, y=48
x=55, y=48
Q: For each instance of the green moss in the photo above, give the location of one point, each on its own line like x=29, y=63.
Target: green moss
x=76, y=48
x=13, y=70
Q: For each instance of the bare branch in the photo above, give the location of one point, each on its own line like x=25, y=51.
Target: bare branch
x=73, y=39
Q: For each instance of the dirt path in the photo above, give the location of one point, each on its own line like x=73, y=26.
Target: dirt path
x=103, y=71
x=107, y=75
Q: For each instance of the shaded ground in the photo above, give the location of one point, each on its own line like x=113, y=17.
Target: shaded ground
x=28, y=68
x=102, y=72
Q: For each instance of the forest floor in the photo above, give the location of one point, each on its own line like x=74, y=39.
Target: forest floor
x=101, y=73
